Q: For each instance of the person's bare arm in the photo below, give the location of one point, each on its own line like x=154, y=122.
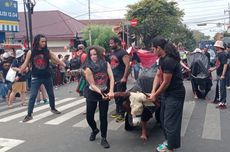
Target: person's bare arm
x=90, y=79
x=55, y=59
x=184, y=66
x=212, y=69
x=156, y=82
x=163, y=86
x=111, y=81
x=16, y=69
x=167, y=77
x=26, y=62
x=224, y=71
x=126, y=61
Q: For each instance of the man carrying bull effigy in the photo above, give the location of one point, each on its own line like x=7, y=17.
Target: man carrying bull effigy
x=200, y=77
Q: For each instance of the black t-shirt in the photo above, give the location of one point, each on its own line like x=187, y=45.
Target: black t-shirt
x=117, y=64
x=176, y=87
x=40, y=64
x=221, y=60
x=101, y=80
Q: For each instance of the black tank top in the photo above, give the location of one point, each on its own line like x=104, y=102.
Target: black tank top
x=40, y=63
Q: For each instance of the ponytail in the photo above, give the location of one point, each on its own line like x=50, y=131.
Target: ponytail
x=167, y=46
x=171, y=51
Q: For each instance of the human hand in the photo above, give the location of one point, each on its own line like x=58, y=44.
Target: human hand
x=152, y=97
x=222, y=77
x=26, y=70
x=20, y=70
x=16, y=78
x=110, y=95
x=123, y=80
x=210, y=70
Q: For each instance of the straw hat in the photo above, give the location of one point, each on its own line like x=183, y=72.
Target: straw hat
x=219, y=44
x=19, y=53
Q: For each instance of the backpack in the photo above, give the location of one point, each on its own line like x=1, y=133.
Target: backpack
x=75, y=63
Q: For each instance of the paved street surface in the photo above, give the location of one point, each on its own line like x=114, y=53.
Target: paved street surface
x=204, y=129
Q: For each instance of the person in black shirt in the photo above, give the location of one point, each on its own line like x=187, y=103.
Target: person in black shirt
x=99, y=75
x=119, y=61
x=39, y=57
x=221, y=70
x=168, y=83
x=228, y=71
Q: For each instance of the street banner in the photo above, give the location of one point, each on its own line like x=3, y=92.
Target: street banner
x=9, y=20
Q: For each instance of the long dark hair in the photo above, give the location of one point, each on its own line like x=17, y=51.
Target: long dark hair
x=101, y=63
x=167, y=46
x=116, y=40
x=37, y=39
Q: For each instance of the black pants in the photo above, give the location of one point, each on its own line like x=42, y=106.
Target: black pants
x=171, y=118
x=221, y=92
x=103, y=110
x=120, y=87
x=35, y=85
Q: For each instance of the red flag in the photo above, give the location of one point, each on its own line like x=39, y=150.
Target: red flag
x=25, y=44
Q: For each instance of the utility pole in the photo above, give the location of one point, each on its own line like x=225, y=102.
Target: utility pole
x=123, y=33
x=128, y=35
x=90, y=34
x=30, y=7
x=228, y=11
x=26, y=23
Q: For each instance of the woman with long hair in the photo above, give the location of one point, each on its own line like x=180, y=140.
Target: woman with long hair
x=39, y=57
x=99, y=76
x=168, y=83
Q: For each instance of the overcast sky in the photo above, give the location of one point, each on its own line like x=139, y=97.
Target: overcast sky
x=196, y=11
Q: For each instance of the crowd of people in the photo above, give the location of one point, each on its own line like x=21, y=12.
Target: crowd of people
x=100, y=74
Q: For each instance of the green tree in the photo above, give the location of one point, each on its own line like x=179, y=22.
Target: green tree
x=198, y=36
x=183, y=35
x=157, y=17
x=100, y=35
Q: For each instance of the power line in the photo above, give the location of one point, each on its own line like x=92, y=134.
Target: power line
x=206, y=20
x=202, y=8
x=109, y=11
x=197, y=2
x=58, y=7
x=204, y=17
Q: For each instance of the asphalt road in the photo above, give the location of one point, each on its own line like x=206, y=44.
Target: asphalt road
x=204, y=128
